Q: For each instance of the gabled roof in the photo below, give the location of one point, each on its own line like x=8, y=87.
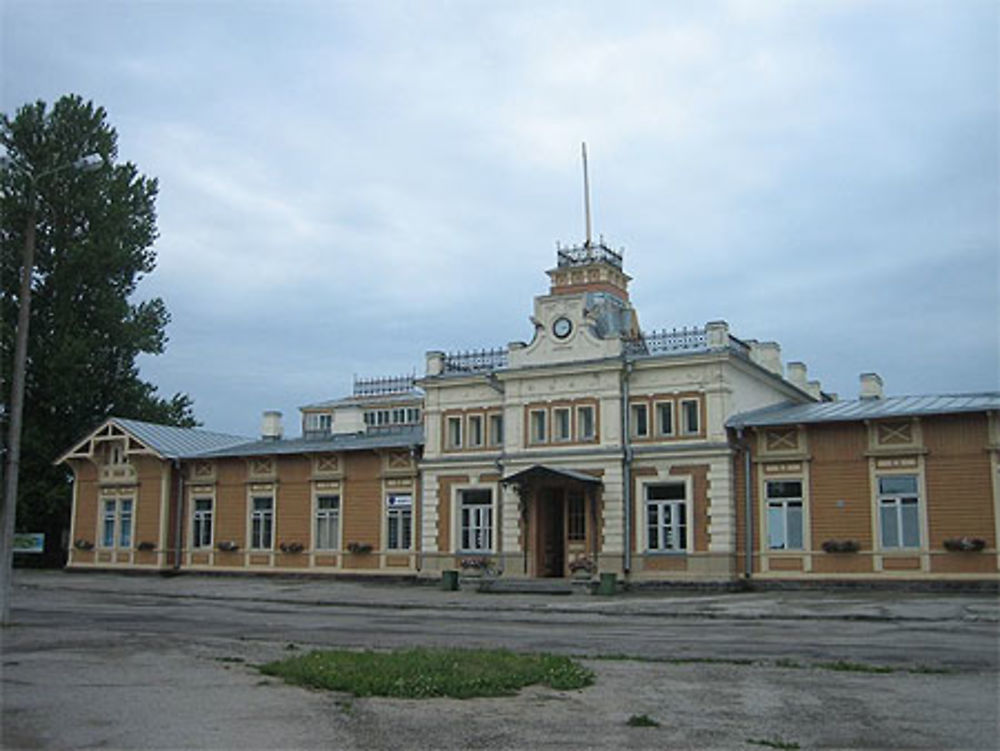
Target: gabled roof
x=867, y=409
x=166, y=441
x=392, y=438
x=545, y=472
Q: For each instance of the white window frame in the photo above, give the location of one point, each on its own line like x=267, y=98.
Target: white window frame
x=641, y=502
x=895, y=500
x=581, y=435
x=537, y=428
x=459, y=525
x=319, y=421
x=635, y=409
x=567, y=436
x=783, y=503
x=198, y=520
x=670, y=431
x=686, y=428
x=476, y=434
x=495, y=428
x=117, y=517
x=399, y=508
x=265, y=516
x=329, y=517
x=453, y=438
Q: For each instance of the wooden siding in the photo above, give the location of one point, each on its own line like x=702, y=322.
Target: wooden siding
x=230, y=517
x=293, y=508
x=445, y=483
x=839, y=492
x=148, y=498
x=957, y=477
x=361, y=507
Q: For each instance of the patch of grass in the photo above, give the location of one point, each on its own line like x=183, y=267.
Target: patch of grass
x=642, y=721
x=425, y=673
x=928, y=670
x=854, y=667
x=774, y=743
x=784, y=662
x=229, y=659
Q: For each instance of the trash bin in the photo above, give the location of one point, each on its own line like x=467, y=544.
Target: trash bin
x=608, y=584
x=449, y=580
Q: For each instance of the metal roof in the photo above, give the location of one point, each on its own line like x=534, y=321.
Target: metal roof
x=177, y=443
x=374, y=400
x=867, y=409
x=392, y=438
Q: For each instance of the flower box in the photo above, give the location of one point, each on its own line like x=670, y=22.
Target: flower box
x=359, y=548
x=228, y=546
x=83, y=545
x=146, y=545
x=841, y=546
x=964, y=544
x=291, y=547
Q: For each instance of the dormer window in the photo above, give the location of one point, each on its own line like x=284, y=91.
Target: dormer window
x=116, y=454
x=319, y=422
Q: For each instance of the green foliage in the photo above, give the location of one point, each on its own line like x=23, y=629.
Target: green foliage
x=94, y=237
x=774, y=743
x=642, y=721
x=845, y=666
x=427, y=673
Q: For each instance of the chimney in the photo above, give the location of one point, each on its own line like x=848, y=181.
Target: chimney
x=767, y=355
x=871, y=386
x=797, y=375
x=270, y=425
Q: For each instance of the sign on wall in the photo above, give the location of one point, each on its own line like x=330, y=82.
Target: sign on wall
x=29, y=542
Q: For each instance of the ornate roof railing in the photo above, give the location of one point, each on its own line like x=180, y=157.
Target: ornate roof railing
x=476, y=361
x=668, y=342
x=581, y=255
x=384, y=385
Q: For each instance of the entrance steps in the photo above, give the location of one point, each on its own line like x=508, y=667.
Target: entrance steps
x=533, y=586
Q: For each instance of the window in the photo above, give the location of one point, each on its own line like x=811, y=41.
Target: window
x=399, y=509
x=784, y=514
x=640, y=421
x=319, y=422
x=476, y=515
x=201, y=527
x=561, y=424
x=899, y=511
x=262, y=523
x=117, y=516
x=454, y=432
x=475, y=430
x=690, y=416
x=327, y=522
x=576, y=518
x=412, y=415
x=666, y=517
x=496, y=430
x=108, y=533
x=117, y=454
x=585, y=423
x=665, y=418
x=538, y=426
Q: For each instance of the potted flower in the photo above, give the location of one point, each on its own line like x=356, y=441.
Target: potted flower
x=841, y=546
x=964, y=544
x=476, y=566
x=82, y=544
x=359, y=548
x=291, y=547
x=228, y=546
x=146, y=545
x=582, y=568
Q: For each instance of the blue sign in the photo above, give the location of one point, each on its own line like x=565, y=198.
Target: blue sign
x=29, y=542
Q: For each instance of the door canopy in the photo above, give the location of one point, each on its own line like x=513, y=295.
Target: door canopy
x=541, y=473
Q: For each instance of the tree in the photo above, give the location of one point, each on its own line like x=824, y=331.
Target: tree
x=94, y=238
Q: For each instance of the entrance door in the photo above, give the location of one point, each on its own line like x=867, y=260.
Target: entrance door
x=551, y=532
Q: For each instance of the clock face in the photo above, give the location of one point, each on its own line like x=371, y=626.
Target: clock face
x=562, y=327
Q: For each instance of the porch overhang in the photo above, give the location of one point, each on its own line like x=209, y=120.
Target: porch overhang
x=542, y=472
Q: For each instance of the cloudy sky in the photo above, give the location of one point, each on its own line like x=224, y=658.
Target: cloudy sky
x=345, y=185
